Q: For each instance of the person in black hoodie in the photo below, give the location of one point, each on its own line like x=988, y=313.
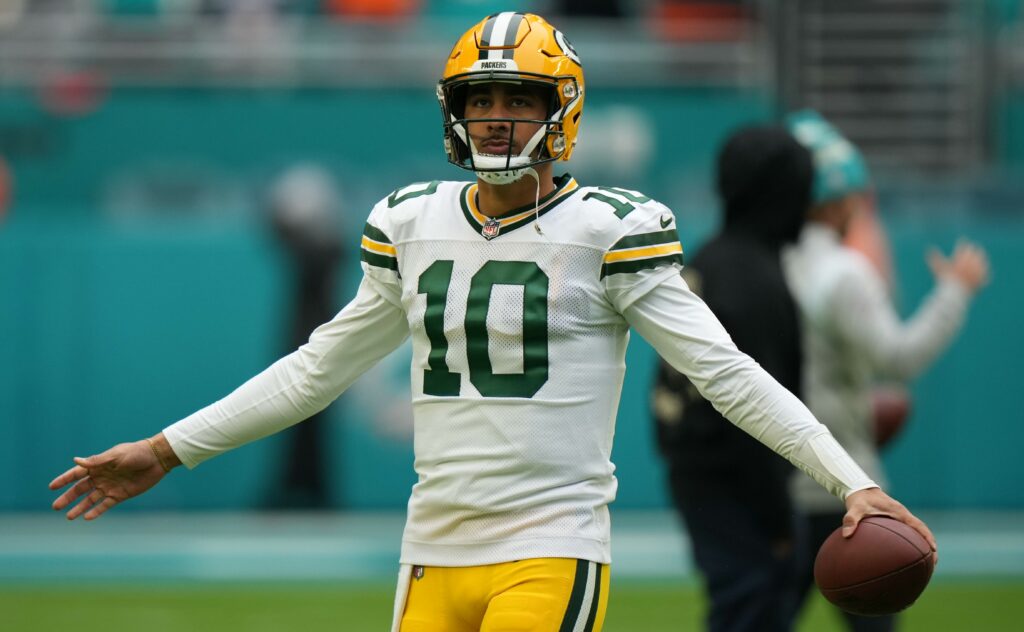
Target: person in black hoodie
x=731, y=490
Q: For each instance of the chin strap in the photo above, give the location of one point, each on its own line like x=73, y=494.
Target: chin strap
x=493, y=170
x=530, y=171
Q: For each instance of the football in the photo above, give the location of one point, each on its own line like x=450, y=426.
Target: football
x=891, y=406
x=881, y=569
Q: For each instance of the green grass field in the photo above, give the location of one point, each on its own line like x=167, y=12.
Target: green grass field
x=635, y=607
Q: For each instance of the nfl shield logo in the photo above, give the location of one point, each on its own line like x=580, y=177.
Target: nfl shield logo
x=490, y=229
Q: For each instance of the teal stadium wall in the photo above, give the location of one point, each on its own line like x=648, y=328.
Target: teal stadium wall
x=115, y=323
x=1008, y=133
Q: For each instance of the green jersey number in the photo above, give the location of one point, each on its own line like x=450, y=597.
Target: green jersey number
x=412, y=191
x=622, y=209
x=438, y=379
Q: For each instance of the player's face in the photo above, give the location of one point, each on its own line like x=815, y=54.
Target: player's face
x=508, y=101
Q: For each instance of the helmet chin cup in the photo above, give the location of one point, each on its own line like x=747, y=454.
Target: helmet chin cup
x=501, y=177
x=488, y=168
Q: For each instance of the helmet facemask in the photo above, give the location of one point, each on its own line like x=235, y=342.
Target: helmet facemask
x=546, y=145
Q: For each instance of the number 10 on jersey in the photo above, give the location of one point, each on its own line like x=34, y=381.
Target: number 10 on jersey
x=438, y=379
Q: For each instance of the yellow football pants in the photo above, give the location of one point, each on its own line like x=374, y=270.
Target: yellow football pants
x=538, y=595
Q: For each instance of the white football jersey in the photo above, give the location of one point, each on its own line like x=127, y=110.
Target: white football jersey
x=518, y=360
x=519, y=329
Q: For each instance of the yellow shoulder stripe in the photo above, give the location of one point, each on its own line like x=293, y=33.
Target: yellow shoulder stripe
x=379, y=248
x=643, y=253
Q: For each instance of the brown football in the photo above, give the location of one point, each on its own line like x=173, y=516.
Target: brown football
x=882, y=569
x=892, y=407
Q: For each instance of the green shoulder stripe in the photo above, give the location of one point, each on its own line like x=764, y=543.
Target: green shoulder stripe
x=637, y=265
x=646, y=239
x=380, y=261
x=375, y=234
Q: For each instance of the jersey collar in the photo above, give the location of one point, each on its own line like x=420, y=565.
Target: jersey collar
x=565, y=185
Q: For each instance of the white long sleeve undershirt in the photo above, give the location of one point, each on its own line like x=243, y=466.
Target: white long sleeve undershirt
x=686, y=333
x=299, y=384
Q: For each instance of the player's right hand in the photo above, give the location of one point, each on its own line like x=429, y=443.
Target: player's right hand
x=106, y=479
x=968, y=264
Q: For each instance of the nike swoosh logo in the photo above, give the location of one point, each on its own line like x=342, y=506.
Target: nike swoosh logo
x=666, y=220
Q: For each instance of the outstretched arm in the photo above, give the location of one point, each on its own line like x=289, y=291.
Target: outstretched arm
x=688, y=336
x=106, y=479
x=298, y=385
x=686, y=333
x=287, y=392
x=865, y=318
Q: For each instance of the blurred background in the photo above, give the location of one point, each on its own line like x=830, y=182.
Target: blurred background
x=182, y=184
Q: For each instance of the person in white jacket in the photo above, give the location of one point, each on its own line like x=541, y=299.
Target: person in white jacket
x=518, y=290
x=852, y=333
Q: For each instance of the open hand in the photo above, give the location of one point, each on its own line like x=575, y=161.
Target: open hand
x=968, y=264
x=123, y=471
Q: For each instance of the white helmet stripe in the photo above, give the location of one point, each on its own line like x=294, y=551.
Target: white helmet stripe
x=511, y=34
x=499, y=36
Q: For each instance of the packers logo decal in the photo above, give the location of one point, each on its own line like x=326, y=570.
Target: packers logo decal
x=567, y=48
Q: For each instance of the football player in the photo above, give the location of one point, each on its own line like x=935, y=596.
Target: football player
x=852, y=331
x=519, y=290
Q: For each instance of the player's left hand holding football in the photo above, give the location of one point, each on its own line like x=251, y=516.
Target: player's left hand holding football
x=875, y=502
x=122, y=472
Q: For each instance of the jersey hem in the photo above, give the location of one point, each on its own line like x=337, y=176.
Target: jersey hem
x=457, y=555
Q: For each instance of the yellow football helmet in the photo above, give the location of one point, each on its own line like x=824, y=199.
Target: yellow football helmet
x=514, y=48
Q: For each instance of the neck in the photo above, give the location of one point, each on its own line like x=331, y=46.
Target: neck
x=498, y=199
